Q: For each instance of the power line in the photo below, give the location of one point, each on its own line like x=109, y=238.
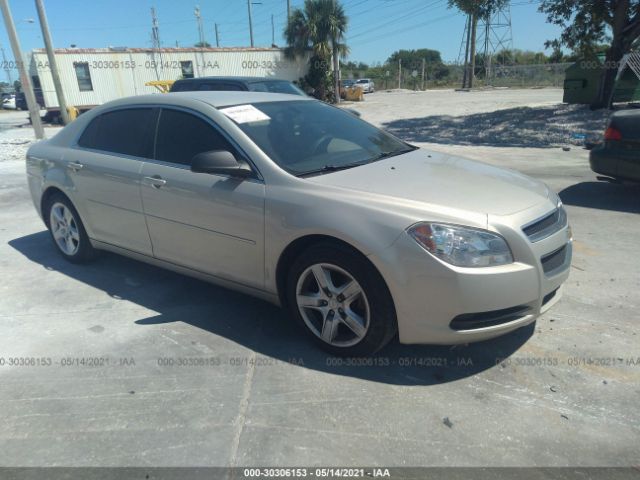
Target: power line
x=394, y=20
x=407, y=29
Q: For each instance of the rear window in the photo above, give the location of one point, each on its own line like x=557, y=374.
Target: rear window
x=180, y=87
x=128, y=132
x=276, y=87
x=206, y=86
x=220, y=86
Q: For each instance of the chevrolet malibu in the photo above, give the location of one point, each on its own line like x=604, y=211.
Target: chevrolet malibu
x=359, y=235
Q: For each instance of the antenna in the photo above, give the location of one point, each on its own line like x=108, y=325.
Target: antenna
x=196, y=12
x=495, y=35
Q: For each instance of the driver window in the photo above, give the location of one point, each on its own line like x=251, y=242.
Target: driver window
x=182, y=135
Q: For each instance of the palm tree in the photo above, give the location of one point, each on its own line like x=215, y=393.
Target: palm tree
x=318, y=28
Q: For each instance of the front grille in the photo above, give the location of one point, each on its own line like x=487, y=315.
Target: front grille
x=471, y=321
x=554, y=261
x=547, y=225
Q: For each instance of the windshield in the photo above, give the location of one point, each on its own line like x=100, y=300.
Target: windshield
x=276, y=87
x=307, y=137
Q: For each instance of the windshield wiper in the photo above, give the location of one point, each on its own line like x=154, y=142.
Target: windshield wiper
x=331, y=168
x=393, y=153
x=335, y=168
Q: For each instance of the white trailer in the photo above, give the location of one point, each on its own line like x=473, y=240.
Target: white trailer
x=91, y=77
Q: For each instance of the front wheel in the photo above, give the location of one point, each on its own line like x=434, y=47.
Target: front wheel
x=67, y=230
x=341, y=300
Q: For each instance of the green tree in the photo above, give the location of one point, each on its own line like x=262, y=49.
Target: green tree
x=318, y=29
x=415, y=56
x=202, y=45
x=412, y=60
x=586, y=24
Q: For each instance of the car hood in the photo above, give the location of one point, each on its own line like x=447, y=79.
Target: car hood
x=444, y=180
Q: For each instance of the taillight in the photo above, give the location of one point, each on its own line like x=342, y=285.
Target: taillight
x=612, y=134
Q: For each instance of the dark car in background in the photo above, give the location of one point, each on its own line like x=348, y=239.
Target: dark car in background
x=618, y=157
x=240, y=84
x=21, y=101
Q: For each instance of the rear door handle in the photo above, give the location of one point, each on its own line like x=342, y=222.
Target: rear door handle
x=75, y=166
x=155, y=181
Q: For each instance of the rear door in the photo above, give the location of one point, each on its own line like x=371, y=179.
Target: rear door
x=105, y=169
x=210, y=223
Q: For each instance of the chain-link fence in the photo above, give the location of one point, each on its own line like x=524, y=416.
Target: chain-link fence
x=413, y=77
x=545, y=75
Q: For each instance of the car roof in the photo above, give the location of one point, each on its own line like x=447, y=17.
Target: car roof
x=216, y=99
x=631, y=112
x=232, y=79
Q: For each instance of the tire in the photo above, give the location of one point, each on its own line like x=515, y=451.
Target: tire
x=358, y=325
x=67, y=230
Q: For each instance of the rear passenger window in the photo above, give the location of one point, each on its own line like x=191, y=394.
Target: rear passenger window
x=128, y=132
x=182, y=135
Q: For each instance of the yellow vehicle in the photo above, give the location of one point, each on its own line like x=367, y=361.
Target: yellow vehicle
x=163, y=86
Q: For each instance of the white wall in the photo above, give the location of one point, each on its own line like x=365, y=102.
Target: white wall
x=116, y=74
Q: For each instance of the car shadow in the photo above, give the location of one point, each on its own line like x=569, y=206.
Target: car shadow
x=603, y=196
x=539, y=127
x=262, y=327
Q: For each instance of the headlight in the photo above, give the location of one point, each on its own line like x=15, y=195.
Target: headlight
x=462, y=246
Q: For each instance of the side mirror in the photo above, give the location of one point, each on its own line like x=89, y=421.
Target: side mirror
x=219, y=162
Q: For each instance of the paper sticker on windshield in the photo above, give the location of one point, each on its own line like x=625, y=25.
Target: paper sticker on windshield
x=244, y=114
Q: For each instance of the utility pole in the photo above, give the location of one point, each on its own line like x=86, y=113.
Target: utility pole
x=399, y=72
x=472, y=49
x=217, y=37
x=288, y=10
x=423, y=65
x=250, y=21
x=273, y=32
x=465, y=74
x=155, y=39
x=48, y=43
x=34, y=111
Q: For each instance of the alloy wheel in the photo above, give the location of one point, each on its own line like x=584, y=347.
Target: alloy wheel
x=64, y=229
x=333, y=305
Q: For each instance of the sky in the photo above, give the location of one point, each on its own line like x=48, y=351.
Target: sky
x=376, y=29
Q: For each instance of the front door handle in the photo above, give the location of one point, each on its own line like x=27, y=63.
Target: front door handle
x=75, y=166
x=156, y=181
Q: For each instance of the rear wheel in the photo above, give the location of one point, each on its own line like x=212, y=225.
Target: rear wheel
x=67, y=230
x=341, y=300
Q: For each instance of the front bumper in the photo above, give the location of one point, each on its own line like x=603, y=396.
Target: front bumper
x=437, y=303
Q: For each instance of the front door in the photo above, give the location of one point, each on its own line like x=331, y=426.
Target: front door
x=210, y=223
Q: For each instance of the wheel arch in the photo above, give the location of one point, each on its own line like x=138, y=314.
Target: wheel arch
x=299, y=245
x=49, y=192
